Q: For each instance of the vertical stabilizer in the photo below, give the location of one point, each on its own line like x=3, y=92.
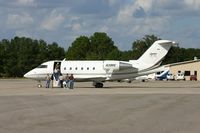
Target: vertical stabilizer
x=154, y=55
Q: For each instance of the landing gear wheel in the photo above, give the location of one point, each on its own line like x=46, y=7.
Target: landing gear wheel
x=98, y=85
x=39, y=85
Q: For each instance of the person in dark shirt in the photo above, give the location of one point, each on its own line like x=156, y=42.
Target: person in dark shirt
x=71, y=81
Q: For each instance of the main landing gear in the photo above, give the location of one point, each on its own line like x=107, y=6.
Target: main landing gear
x=98, y=85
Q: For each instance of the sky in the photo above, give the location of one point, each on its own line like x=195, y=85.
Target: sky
x=125, y=21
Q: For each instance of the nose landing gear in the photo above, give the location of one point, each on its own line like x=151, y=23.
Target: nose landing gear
x=39, y=85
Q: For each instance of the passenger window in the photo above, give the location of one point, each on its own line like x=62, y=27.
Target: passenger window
x=93, y=68
x=87, y=68
x=70, y=68
x=64, y=68
x=76, y=68
x=42, y=66
x=81, y=68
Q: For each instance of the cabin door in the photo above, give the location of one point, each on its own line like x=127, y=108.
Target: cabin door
x=56, y=74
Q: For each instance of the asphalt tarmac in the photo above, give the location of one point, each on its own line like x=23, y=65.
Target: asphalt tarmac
x=150, y=107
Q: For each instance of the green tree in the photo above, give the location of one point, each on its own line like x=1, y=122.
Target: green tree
x=98, y=46
x=23, y=54
x=126, y=55
x=101, y=46
x=79, y=49
x=140, y=46
x=115, y=54
x=55, y=52
x=10, y=61
x=3, y=56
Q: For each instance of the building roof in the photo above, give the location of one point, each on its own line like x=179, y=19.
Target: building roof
x=184, y=62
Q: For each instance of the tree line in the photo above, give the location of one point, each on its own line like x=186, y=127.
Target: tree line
x=21, y=54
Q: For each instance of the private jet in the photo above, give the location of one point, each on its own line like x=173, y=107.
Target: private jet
x=106, y=70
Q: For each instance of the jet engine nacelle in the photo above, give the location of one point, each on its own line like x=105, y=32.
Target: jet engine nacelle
x=116, y=65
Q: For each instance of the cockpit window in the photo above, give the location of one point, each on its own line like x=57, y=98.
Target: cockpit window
x=42, y=66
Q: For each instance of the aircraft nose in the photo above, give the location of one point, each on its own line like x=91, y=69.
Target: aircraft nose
x=29, y=74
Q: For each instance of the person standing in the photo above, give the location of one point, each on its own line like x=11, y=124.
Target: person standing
x=66, y=81
x=48, y=80
x=71, y=81
x=61, y=81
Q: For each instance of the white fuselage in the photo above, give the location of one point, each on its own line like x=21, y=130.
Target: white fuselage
x=107, y=70
x=84, y=70
x=90, y=70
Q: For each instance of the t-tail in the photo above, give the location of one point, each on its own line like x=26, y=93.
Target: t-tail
x=155, y=54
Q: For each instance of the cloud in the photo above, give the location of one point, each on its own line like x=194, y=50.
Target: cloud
x=104, y=29
x=193, y=4
x=76, y=27
x=19, y=20
x=18, y=3
x=136, y=8
x=145, y=4
x=113, y=2
x=23, y=34
x=53, y=21
x=137, y=18
x=124, y=21
x=151, y=25
x=25, y=2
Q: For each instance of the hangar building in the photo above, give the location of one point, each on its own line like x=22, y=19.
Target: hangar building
x=189, y=68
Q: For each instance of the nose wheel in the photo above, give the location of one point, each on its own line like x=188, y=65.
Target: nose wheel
x=39, y=85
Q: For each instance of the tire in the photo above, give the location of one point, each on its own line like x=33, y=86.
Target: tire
x=99, y=85
x=39, y=85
